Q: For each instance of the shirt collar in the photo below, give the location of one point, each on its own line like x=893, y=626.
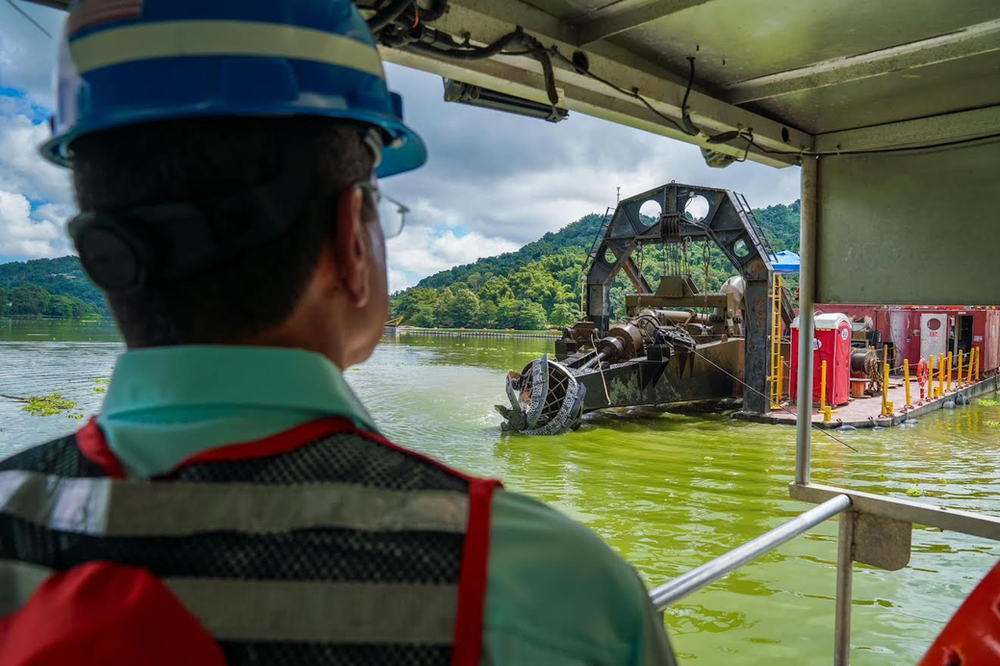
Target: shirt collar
x=205, y=376
x=167, y=403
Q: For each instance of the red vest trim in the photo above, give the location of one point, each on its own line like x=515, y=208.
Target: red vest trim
x=94, y=447
x=468, y=643
x=283, y=442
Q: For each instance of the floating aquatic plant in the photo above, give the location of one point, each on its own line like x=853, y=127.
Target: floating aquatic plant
x=991, y=424
x=101, y=385
x=47, y=405
x=913, y=491
x=987, y=402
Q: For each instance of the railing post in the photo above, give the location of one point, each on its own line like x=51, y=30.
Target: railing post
x=780, y=378
x=949, y=374
x=845, y=573
x=930, y=381
x=807, y=304
x=906, y=379
x=822, y=386
x=885, y=389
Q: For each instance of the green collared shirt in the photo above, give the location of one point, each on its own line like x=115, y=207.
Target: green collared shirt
x=556, y=594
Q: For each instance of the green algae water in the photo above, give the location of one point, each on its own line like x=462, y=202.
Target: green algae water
x=666, y=491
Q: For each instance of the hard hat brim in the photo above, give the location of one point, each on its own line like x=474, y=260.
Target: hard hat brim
x=404, y=151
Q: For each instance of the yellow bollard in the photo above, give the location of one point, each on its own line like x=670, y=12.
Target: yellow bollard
x=978, y=350
x=885, y=388
x=827, y=414
x=822, y=386
x=940, y=390
x=889, y=406
x=972, y=354
x=930, y=378
x=959, y=381
x=906, y=381
x=948, y=365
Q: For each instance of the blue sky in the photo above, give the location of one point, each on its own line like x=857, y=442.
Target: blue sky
x=493, y=181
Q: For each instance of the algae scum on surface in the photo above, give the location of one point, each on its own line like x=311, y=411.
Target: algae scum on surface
x=49, y=405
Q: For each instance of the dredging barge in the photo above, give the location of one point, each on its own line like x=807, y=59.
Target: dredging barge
x=665, y=352
x=679, y=345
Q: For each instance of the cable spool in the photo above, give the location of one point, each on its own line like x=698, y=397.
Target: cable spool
x=630, y=338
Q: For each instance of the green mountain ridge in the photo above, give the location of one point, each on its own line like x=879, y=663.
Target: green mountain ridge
x=52, y=287
x=537, y=286
x=540, y=284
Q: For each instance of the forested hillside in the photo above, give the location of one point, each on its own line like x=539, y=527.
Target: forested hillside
x=50, y=287
x=540, y=284
x=534, y=287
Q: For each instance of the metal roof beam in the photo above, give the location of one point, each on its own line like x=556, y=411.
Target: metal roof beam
x=484, y=21
x=54, y=4
x=624, y=15
x=970, y=41
x=922, y=131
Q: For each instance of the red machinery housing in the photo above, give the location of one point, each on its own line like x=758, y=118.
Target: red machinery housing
x=831, y=343
x=918, y=331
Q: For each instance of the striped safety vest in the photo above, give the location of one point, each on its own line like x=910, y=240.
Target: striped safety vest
x=325, y=544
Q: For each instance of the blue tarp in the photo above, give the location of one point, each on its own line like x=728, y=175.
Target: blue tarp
x=785, y=262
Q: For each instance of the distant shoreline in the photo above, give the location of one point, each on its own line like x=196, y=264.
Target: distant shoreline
x=30, y=317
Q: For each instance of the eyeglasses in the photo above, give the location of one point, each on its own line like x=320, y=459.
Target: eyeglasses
x=391, y=213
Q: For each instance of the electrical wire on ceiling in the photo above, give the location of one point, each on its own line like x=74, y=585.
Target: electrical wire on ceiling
x=404, y=24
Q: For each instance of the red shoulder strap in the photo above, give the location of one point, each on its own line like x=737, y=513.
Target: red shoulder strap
x=90, y=440
x=468, y=642
x=109, y=614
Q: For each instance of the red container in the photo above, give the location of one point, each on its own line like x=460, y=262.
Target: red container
x=831, y=343
x=986, y=336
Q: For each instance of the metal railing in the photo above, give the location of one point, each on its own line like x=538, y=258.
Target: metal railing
x=885, y=540
x=694, y=580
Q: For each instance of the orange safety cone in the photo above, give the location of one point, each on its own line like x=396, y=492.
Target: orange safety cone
x=973, y=635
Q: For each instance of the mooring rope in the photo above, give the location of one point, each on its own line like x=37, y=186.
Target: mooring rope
x=782, y=407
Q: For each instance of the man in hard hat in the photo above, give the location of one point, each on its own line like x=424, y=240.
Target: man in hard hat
x=233, y=502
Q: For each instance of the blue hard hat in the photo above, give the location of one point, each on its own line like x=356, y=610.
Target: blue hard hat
x=125, y=62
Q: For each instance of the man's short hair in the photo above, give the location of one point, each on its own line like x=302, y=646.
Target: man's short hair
x=186, y=160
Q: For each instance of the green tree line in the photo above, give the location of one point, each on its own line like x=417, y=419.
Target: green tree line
x=58, y=277
x=540, y=284
x=32, y=300
x=541, y=293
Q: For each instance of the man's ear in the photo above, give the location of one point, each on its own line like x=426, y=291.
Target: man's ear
x=351, y=250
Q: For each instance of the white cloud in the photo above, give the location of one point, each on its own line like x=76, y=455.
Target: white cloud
x=35, y=196
x=22, y=169
x=28, y=233
x=421, y=251
x=398, y=281
x=27, y=56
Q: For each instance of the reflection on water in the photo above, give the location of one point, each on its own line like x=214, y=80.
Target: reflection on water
x=667, y=491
